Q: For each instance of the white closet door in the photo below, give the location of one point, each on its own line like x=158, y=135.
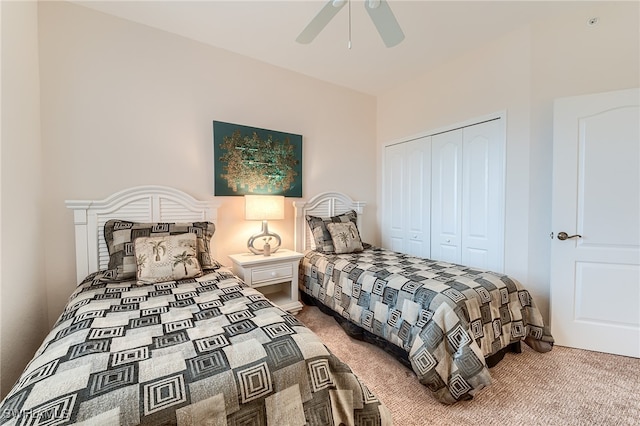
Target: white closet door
x=407, y=196
x=467, y=199
x=482, y=196
x=443, y=196
x=446, y=196
x=418, y=197
x=393, y=220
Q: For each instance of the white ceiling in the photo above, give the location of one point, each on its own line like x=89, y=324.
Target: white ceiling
x=435, y=31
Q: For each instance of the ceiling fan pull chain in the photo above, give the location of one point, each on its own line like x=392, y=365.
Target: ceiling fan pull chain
x=349, y=44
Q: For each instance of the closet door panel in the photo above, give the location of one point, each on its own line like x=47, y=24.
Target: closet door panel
x=482, y=189
x=475, y=198
x=393, y=237
x=446, y=205
x=418, y=197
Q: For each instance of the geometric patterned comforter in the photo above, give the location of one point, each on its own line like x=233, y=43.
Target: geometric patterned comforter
x=447, y=317
x=200, y=351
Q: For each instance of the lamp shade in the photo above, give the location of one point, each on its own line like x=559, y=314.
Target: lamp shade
x=264, y=207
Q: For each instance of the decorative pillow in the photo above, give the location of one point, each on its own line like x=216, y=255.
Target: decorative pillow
x=121, y=234
x=345, y=236
x=166, y=258
x=321, y=235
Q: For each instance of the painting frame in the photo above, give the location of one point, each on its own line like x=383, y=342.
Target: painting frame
x=252, y=160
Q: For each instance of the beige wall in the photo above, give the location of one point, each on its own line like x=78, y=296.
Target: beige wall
x=124, y=104
x=571, y=58
x=521, y=74
x=23, y=294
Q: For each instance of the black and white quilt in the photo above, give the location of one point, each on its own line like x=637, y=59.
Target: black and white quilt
x=447, y=317
x=199, y=351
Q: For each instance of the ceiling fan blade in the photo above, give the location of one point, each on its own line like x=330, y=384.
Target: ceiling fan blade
x=320, y=21
x=385, y=22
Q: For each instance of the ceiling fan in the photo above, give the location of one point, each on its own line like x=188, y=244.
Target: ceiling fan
x=378, y=10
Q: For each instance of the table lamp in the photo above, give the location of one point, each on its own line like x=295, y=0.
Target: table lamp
x=264, y=208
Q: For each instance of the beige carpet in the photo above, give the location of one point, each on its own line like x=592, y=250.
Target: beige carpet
x=562, y=387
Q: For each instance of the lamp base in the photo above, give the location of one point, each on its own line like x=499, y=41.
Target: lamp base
x=267, y=237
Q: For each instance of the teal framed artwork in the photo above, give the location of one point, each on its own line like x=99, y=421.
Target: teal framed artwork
x=250, y=160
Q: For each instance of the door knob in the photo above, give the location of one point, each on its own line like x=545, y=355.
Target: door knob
x=564, y=236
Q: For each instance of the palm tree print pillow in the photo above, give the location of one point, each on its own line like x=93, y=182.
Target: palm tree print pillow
x=321, y=236
x=119, y=235
x=345, y=237
x=166, y=258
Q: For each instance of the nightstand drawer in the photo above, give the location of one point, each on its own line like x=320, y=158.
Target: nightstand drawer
x=259, y=275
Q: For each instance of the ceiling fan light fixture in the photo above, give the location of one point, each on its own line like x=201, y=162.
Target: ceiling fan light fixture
x=338, y=3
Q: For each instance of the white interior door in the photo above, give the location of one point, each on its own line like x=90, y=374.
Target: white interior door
x=595, y=272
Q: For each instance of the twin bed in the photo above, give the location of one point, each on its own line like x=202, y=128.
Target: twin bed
x=200, y=347
x=204, y=349
x=449, y=323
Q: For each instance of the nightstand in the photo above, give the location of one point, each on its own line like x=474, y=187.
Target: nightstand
x=275, y=276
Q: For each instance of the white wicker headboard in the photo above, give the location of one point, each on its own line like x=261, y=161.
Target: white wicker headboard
x=149, y=203
x=325, y=204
